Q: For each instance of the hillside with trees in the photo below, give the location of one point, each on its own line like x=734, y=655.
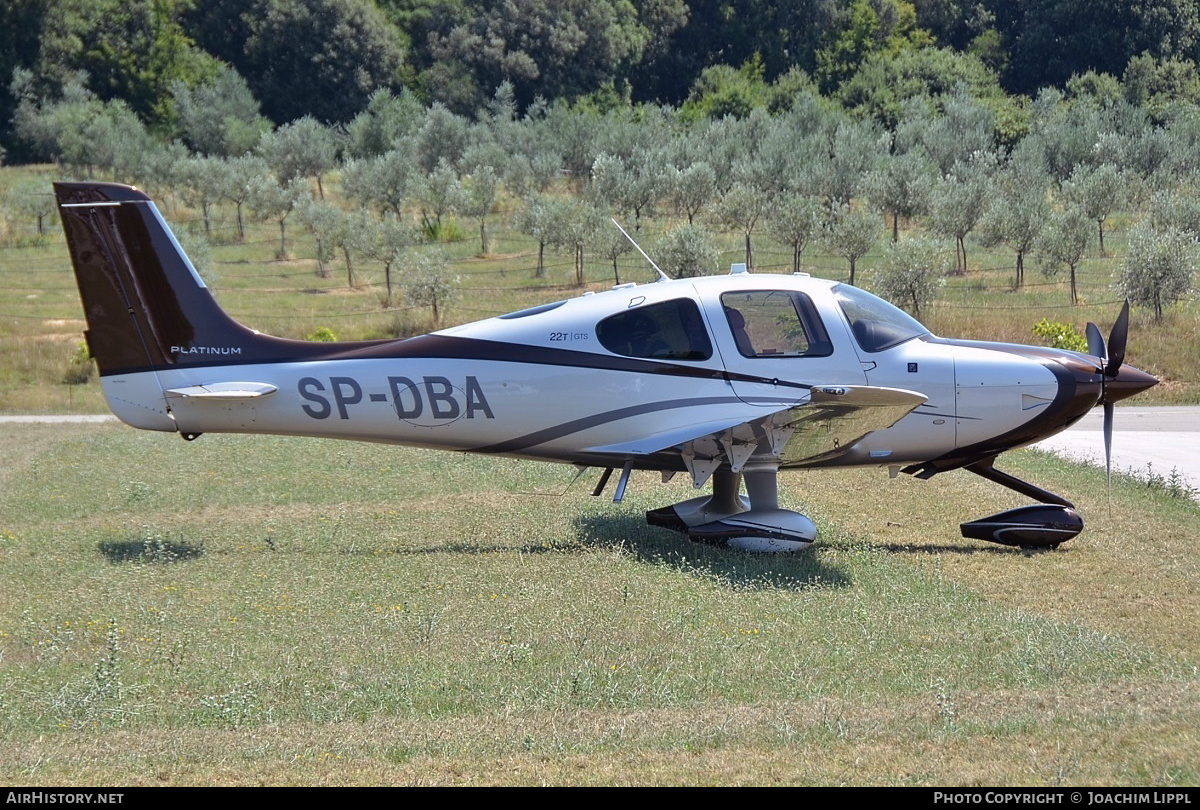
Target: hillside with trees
x=324, y=58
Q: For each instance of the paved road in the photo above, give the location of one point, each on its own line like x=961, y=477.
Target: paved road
x=1163, y=438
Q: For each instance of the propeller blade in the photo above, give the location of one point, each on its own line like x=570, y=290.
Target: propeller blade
x=1116, y=342
x=1095, y=341
x=1108, y=433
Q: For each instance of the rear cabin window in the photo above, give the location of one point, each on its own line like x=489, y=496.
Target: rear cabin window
x=670, y=330
x=775, y=323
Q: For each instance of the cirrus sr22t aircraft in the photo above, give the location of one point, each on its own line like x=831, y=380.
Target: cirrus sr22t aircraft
x=724, y=379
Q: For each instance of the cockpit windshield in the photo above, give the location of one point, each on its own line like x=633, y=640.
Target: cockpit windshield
x=876, y=324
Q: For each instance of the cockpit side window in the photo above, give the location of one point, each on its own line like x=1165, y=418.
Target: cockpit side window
x=775, y=323
x=670, y=330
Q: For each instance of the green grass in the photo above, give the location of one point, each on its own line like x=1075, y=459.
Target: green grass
x=41, y=319
x=256, y=609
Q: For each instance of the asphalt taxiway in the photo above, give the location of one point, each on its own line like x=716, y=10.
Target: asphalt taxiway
x=1146, y=440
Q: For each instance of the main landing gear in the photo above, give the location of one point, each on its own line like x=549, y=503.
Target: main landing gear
x=754, y=522
x=727, y=518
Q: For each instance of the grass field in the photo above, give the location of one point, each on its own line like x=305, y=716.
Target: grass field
x=248, y=610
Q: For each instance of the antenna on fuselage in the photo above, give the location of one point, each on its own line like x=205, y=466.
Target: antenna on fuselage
x=661, y=275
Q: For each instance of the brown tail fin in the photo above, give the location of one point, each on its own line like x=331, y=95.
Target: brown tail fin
x=147, y=308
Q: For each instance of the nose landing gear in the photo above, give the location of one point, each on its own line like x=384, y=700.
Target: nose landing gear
x=1042, y=525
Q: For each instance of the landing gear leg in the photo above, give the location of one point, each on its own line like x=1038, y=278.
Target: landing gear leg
x=725, y=501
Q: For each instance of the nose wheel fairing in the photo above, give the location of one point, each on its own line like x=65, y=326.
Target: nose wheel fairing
x=1041, y=525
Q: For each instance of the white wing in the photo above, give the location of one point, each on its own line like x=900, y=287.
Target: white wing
x=824, y=427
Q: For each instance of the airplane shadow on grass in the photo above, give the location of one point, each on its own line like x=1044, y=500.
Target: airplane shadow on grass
x=150, y=550
x=966, y=548
x=658, y=547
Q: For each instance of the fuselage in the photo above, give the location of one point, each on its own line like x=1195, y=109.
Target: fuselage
x=571, y=381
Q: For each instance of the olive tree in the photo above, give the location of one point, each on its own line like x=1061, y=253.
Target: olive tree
x=302, y=149
x=536, y=218
x=1098, y=192
x=631, y=184
x=478, y=198
x=386, y=181
x=355, y=233
x=270, y=201
x=427, y=281
x=438, y=194
x=1159, y=267
x=572, y=226
x=912, y=272
x=203, y=182
x=610, y=243
x=323, y=219
x=795, y=220
x=902, y=187
x=686, y=252
x=959, y=201
x=1018, y=210
x=219, y=117
x=243, y=176
x=389, y=242
x=31, y=198
x=850, y=233
x=1063, y=242
x=693, y=188
x=742, y=208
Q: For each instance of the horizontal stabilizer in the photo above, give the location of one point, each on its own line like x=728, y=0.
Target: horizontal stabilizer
x=225, y=391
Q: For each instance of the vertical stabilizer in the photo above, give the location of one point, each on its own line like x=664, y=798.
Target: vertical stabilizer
x=153, y=325
x=146, y=306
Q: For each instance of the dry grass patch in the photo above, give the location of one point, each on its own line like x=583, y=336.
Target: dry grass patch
x=1132, y=571
x=1126, y=733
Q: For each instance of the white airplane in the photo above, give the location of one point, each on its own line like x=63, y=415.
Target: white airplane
x=725, y=379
